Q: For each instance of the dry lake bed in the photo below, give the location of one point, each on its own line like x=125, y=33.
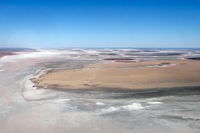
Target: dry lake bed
x=100, y=91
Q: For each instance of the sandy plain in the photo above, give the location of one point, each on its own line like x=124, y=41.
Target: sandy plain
x=125, y=75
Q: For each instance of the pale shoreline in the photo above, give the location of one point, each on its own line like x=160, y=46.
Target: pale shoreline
x=119, y=75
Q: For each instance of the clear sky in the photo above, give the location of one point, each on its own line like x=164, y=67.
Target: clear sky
x=100, y=23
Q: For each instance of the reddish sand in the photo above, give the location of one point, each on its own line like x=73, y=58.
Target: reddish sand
x=2, y=53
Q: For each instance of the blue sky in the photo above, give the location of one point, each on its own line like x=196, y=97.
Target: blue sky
x=100, y=23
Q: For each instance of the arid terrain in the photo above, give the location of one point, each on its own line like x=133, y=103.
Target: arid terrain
x=100, y=91
x=2, y=53
x=129, y=75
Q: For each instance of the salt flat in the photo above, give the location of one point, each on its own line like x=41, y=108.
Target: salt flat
x=47, y=110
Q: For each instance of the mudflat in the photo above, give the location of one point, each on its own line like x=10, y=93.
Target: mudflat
x=125, y=75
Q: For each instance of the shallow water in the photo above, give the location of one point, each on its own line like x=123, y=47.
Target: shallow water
x=23, y=108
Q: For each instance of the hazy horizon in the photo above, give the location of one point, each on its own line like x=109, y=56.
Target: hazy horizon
x=100, y=48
